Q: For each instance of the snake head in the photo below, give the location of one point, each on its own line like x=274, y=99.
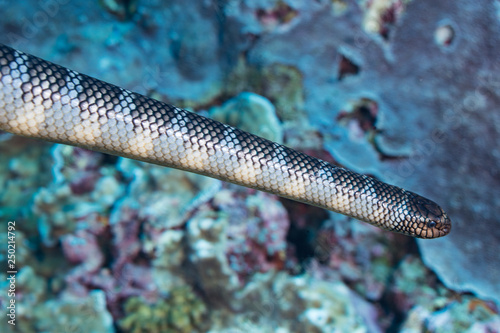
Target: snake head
x=429, y=220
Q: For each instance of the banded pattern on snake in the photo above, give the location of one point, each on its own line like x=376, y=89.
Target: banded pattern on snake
x=42, y=100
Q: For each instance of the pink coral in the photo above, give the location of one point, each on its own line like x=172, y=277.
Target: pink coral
x=257, y=230
x=127, y=276
x=82, y=248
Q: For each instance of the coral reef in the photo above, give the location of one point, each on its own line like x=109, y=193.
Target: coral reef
x=256, y=234
x=181, y=312
x=123, y=9
x=466, y=314
x=23, y=172
x=277, y=302
x=88, y=314
x=79, y=197
x=252, y=113
x=165, y=196
x=210, y=268
x=36, y=312
x=223, y=246
x=381, y=15
x=425, y=129
x=398, y=89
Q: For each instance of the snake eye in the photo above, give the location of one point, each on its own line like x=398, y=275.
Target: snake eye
x=431, y=224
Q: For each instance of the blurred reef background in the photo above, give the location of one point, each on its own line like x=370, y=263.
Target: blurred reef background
x=407, y=91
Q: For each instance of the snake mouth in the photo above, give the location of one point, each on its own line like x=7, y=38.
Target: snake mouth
x=445, y=225
x=444, y=231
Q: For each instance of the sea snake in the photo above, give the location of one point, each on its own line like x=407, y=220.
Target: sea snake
x=42, y=100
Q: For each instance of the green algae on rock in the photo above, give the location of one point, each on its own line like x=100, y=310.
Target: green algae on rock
x=181, y=312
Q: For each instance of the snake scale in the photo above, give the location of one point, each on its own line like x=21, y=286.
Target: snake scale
x=43, y=100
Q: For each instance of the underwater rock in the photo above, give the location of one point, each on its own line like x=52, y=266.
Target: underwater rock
x=207, y=245
x=123, y=9
x=22, y=171
x=222, y=247
x=359, y=254
x=467, y=154
x=125, y=275
x=434, y=116
x=80, y=195
x=162, y=196
x=256, y=231
x=274, y=16
x=414, y=285
x=30, y=292
x=252, y=113
x=82, y=248
x=431, y=75
x=465, y=314
x=193, y=46
x=170, y=254
x=301, y=304
x=182, y=311
x=75, y=314
x=380, y=16
x=280, y=83
x=24, y=255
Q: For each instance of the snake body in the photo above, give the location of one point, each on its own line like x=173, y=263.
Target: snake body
x=43, y=100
